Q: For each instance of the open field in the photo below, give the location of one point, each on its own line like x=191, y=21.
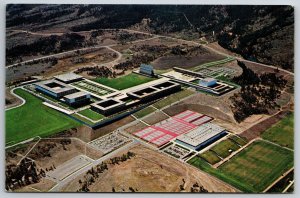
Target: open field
x=258, y=129
x=173, y=98
x=144, y=112
x=91, y=114
x=170, y=61
x=124, y=82
x=282, y=132
x=254, y=168
x=39, y=120
x=225, y=148
x=237, y=139
x=149, y=171
x=210, y=157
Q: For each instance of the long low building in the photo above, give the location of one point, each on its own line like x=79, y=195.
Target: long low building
x=145, y=94
x=154, y=91
x=108, y=106
x=201, y=136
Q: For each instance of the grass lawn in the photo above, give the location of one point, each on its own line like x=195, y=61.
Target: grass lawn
x=282, y=132
x=34, y=119
x=124, y=82
x=211, y=157
x=91, y=114
x=83, y=119
x=222, y=148
x=241, y=141
x=173, y=98
x=254, y=168
x=144, y=112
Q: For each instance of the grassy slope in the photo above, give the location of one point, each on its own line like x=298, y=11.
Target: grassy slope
x=124, y=82
x=144, y=112
x=282, y=133
x=34, y=119
x=254, y=168
x=173, y=98
x=91, y=114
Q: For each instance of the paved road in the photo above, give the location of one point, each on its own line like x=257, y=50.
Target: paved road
x=217, y=51
x=73, y=176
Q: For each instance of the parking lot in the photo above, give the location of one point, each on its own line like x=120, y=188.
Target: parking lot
x=109, y=142
x=176, y=151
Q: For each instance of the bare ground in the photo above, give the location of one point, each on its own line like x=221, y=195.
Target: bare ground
x=136, y=127
x=155, y=118
x=168, y=62
x=58, y=153
x=259, y=128
x=150, y=171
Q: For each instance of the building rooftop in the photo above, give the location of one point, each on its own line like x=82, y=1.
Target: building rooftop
x=68, y=77
x=207, y=79
x=107, y=104
x=201, y=134
x=54, y=86
x=76, y=95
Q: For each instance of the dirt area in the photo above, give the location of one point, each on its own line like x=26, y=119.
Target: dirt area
x=14, y=155
x=111, y=127
x=218, y=108
x=49, y=152
x=168, y=62
x=135, y=127
x=44, y=185
x=11, y=100
x=206, y=104
x=155, y=118
x=259, y=128
x=216, y=46
x=97, y=57
x=149, y=171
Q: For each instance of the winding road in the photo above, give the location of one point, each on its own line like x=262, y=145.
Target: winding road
x=19, y=97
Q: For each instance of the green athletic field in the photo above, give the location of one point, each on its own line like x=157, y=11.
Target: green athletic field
x=222, y=148
x=34, y=119
x=210, y=157
x=282, y=133
x=124, y=82
x=254, y=168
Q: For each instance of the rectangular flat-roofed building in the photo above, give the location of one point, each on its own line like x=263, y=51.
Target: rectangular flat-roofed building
x=108, y=106
x=154, y=91
x=78, y=98
x=54, y=88
x=68, y=77
x=201, y=136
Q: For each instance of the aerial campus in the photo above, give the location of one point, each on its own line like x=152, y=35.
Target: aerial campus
x=149, y=98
